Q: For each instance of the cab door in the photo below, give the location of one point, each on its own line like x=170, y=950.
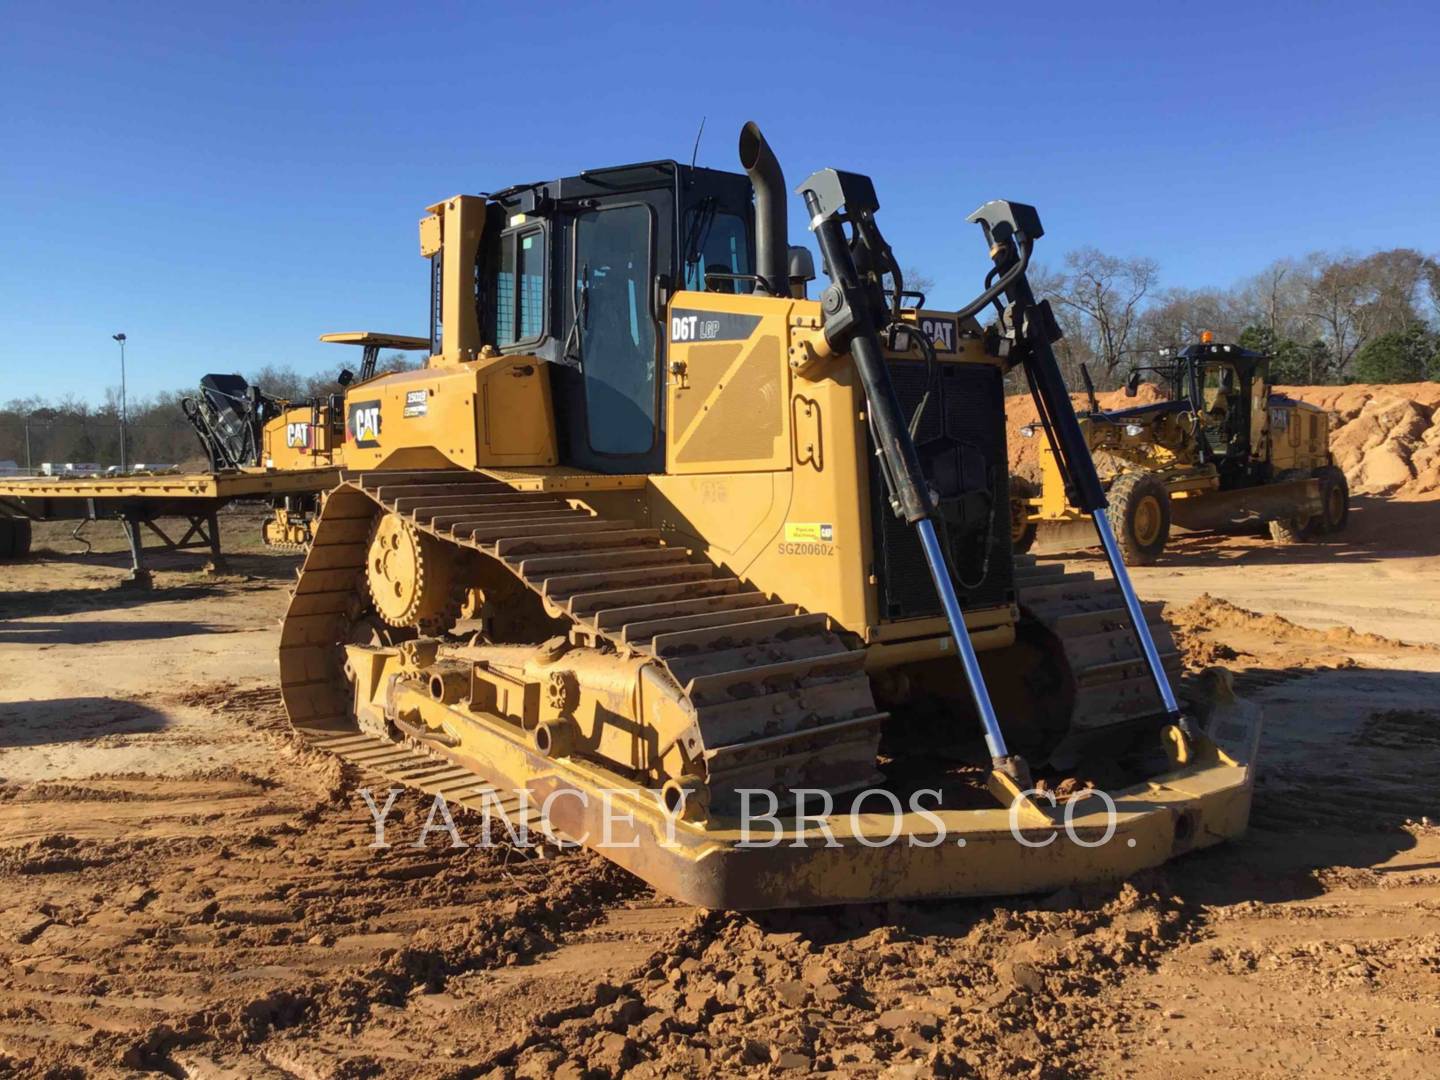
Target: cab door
x=608, y=390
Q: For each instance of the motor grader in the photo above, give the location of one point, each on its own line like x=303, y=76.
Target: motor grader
x=659, y=555
x=1220, y=450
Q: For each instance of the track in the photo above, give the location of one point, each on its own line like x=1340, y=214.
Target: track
x=1108, y=682
x=779, y=700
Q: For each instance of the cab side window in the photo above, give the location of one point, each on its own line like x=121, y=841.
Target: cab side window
x=520, y=288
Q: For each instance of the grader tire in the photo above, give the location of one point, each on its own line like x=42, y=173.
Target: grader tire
x=1334, y=497
x=1292, y=530
x=1140, y=509
x=1296, y=528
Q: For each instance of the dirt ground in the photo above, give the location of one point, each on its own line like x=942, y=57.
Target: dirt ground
x=188, y=893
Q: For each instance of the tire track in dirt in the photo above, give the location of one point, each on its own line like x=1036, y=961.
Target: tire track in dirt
x=255, y=908
x=121, y=952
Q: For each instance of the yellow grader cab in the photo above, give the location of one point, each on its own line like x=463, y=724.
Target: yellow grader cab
x=1221, y=451
x=661, y=556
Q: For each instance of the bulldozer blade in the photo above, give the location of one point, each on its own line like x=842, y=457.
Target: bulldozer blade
x=1230, y=722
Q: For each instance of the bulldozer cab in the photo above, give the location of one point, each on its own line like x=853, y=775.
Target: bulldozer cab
x=578, y=272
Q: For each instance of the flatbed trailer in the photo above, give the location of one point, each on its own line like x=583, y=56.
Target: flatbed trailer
x=139, y=501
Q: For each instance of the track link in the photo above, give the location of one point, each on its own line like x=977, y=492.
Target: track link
x=1087, y=615
x=779, y=700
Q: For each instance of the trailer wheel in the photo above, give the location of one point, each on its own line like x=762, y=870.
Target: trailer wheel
x=1334, y=497
x=1022, y=532
x=8, y=536
x=1140, y=507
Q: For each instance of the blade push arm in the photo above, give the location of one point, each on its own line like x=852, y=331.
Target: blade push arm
x=851, y=305
x=1011, y=230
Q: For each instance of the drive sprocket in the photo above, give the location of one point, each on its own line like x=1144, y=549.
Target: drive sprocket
x=412, y=577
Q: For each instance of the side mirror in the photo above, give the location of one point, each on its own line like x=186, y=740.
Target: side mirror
x=1132, y=384
x=346, y=377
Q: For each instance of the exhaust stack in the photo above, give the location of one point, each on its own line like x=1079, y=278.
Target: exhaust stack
x=772, y=234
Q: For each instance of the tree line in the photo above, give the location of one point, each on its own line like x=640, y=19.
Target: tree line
x=36, y=430
x=1323, y=318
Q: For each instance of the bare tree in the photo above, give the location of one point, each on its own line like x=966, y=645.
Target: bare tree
x=1397, y=281
x=1178, y=317
x=1100, y=297
x=1349, y=301
x=1074, y=349
x=1275, y=299
x=1335, y=302
x=279, y=382
x=915, y=281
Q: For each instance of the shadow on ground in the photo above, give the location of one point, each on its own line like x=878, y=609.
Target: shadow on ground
x=271, y=566
x=44, y=632
x=63, y=720
x=1347, y=765
x=1378, y=529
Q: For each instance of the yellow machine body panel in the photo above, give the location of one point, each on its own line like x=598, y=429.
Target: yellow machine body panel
x=1299, y=434
x=474, y=414
x=766, y=465
x=303, y=437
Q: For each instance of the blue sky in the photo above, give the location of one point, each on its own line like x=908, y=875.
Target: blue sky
x=226, y=183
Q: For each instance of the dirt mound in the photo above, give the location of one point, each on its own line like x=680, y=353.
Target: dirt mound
x=1211, y=613
x=1266, y=649
x=914, y=990
x=1385, y=438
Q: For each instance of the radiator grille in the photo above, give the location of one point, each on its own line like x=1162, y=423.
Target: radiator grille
x=967, y=406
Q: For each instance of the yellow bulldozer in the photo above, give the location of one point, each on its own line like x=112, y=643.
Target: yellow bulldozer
x=1221, y=449
x=659, y=555
x=242, y=427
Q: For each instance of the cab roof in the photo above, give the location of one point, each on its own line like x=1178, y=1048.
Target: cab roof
x=639, y=176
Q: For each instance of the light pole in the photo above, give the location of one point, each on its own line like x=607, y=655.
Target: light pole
x=121, y=339
x=43, y=416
